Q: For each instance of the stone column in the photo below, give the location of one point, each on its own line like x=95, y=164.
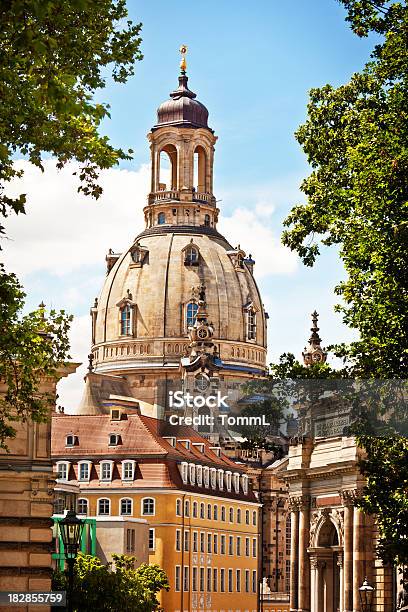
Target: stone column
x=304, y=569
x=358, y=557
x=348, y=552
x=294, y=554
x=341, y=582
x=316, y=587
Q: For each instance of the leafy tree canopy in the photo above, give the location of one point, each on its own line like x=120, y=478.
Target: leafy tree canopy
x=356, y=141
x=102, y=587
x=54, y=55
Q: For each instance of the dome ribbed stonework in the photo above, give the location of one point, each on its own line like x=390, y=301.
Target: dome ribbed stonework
x=159, y=291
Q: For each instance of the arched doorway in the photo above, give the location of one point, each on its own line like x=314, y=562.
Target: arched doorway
x=326, y=569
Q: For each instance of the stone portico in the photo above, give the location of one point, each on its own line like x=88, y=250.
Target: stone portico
x=332, y=542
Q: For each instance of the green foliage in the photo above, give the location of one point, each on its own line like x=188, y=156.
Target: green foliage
x=31, y=347
x=100, y=587
x=385, y=495
x=355, y=138
x=54, y=55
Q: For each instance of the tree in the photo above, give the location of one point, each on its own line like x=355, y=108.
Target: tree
x=355, y=138
x=31, y=347
x=104, y=588
x=54, y=55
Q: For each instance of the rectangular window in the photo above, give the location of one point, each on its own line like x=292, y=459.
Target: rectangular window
x=230, y=585
x=178, y=539
x=126, y=507
x=247, y=547
x=254, y=517
x=247, y=580
x=202, y=542
x=186, y=578
x=186, y=541
x=62, y=471
x=127, y=473
x=106, y=471
x=152, y=539
x=238, y=581
x=103, y=507
x=209, y=579
x=130, y=540
x=215, y=544
x=209, y=542
x=222, y=544
x=177, y=580
x=254, y=581
x=178, y=507
x=202, y=578
x=84, y=471
x=194, y=580
x=254, y=547
x=287, y=576
x=238, y=551
x=230, y=545
x=195, y=541
x=222, y=580
x=215, y=580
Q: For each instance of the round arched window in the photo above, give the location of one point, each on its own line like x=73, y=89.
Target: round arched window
x=201, y=382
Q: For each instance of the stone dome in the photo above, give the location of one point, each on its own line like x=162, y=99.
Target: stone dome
x=155, y=279
x=182, y=109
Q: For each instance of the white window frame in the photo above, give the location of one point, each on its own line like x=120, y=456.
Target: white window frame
x=199, y=475
x=89, y=464
x=83, y=499
x=129, y=307
x=213, y=478
x=132, y=477
x=245, y=483
x=206, y=474
x=177, y=578
x=220, y=474
x=117, y=439
x=192, y=473
x=236, y=477
x=228, y=480
x=177, y=541
x=97, y=506
x=70, y=435
x=106, y=462
x=131, y=506
x=66, y=465
x=195, y=509
x=179, y=507
x=183, y=468
x=142, y=512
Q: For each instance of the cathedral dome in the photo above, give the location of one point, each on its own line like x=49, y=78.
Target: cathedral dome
x=182, y=109
x=147, y=302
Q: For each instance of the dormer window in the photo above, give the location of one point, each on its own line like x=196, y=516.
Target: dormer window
x=213, y=478
x=138, y=255
x=191, y=255
x=114, y=439
x=192, y=469
x=236, y=476
x=206, y=472
x=244, y=480
x=199, y=475
x=63, y=470
x=228, y=480
x=184, y=471
x=116, y=414
x=106, y=470
x=70, y=440
x=250, y=314
x=125, y=320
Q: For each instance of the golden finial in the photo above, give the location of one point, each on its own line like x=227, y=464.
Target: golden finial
x=183, y=63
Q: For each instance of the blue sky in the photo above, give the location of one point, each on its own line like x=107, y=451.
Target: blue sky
x=251, y=64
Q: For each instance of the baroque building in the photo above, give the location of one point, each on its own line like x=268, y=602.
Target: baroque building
x=150, y=299
x=138, y=474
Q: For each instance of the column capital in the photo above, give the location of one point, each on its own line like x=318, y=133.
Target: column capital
x=350, y=496
x=299, y=502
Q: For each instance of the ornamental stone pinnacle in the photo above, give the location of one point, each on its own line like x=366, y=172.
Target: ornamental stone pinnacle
x=313, y=352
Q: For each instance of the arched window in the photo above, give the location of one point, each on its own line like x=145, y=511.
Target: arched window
x=178, y=507
x=191, y=313
x=200, y=162
x=207, y=220
x=167, y=175
x=251, y=324
x=126, y=506
x=148, y=506
x=103, y=507
x=191, y=256
x=125, y=320
x=161, y=218
x=82, y=506
x=195, y=509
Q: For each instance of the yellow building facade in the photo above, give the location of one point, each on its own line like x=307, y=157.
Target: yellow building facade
x=202, y=516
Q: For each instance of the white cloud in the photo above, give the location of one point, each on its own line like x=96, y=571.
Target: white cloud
x=253, y=232
x=64, y=230
x=70, y=389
